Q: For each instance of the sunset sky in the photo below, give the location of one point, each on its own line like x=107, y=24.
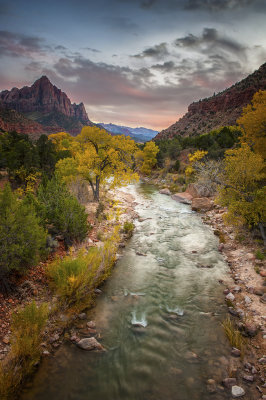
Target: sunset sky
x=132, y=62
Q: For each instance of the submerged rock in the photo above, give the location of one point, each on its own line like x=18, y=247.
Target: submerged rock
x=211, y=386
x=89, y=344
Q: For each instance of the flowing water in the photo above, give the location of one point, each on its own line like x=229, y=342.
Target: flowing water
x=166, y=283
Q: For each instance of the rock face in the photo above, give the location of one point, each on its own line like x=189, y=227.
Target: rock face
x=45, y=104
x=222, y=109
x=11, y=120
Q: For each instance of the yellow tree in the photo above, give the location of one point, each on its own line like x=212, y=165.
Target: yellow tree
x=242, y=190
x=149, y=157
x=253, y=123
x=193, y=159
x=99, y=157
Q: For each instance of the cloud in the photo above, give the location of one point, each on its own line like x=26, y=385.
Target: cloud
x=121, y=23
x=166, y=67
x=210, y=41
x=92, y=50
x=20, y=45
x=158, y=51
x=217, y=5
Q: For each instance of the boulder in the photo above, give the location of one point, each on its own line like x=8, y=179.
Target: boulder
x=89, y=344
x=198, y=191
x=183, y=197
x=165, y=191
x=201, y=204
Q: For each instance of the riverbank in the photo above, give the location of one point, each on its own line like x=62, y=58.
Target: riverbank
x=115, y=212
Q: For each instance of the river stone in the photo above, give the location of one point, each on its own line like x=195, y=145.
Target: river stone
x=91, y=325
x=230, y=297
x=237, y=391
x=89, y=344
x=235, y=352
x=248, y=300
x=211, y=386
x=248, y=378
x=237, y=289
x=229, y=382
x=250, y=330
x=165, y=191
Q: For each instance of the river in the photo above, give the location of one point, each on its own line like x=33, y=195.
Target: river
x=167, y=282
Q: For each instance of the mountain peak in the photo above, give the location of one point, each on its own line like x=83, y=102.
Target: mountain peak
x=48, y=105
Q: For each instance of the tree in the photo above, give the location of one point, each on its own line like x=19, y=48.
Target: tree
x=149, y=157
x=193, y=159
x=58, y=208
x=99, y=158
x=22, y=238
x=242, y=190
x=253, y=123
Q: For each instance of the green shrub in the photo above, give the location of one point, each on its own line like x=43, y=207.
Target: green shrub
x=259, y=255
x=22, y=238
x=27, y=326
x=60, y=209
x=128, y=227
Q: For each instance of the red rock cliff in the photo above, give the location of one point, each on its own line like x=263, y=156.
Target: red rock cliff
x=220, y=110
x=42, y=97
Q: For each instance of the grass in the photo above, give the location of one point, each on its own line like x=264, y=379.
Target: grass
x=234, y=336
x=75, y=277
x=259, y=255
x=27, y=326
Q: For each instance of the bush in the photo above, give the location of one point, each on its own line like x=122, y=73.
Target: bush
x=176, y=166
x=27, y=326
x=128, y=227
x=59, y=208
x=75, y=278
x=259, y=255
x=22, y=238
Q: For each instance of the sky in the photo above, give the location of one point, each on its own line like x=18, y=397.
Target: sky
x=132, y=62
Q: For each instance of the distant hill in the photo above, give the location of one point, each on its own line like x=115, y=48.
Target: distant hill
x=138, y=134
x=41, y=108
x=219, y=110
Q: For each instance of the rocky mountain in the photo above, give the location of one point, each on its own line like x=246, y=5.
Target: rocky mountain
x=138, y=134
x=219, y=110
x=46, y=108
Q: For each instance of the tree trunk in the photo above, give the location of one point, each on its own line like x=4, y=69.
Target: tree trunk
x=95, y=189
x=261, y=227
